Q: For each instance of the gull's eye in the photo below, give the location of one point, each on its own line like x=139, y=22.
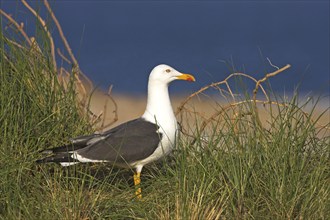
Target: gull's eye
x=167, y=70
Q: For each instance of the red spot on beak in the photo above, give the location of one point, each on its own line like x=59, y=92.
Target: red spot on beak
x=187, y=77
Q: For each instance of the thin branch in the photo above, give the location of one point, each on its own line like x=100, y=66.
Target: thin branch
x=66, y=44
x=268, y=76
x=76, y=69
x=97, y=117
x=18, y=27
x=115, y=111
x=213, y=85
x=16, y=44
x=87, y=79
x=43, y=23
x=62, y=56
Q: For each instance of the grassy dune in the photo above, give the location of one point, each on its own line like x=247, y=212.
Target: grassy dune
x=235, y=168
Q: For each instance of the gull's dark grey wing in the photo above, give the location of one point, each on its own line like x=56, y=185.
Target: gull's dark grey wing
x=84, y=141
x=129, y=142
x=76, y=144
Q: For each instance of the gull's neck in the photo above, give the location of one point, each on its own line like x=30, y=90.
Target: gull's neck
x=159, y=108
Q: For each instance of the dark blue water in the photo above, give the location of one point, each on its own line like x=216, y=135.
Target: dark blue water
x=119, y=42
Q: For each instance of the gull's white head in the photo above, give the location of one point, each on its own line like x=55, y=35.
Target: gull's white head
x=166, y=74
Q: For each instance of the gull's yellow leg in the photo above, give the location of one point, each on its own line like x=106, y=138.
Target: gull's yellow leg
x=137, y=181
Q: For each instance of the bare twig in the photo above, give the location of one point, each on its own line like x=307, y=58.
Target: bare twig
x=214, y=85
x=76, y=69
x=96, y=117
x=44, y=25
x=115, y=111
x=18, y=27
x=16, y=44
x=62, y=56
x=268, y=76
x=65, y=42
x=89, y=82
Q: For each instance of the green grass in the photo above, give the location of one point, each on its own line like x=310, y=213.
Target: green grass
x=243, y=171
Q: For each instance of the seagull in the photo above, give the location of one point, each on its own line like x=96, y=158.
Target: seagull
x=135, y=143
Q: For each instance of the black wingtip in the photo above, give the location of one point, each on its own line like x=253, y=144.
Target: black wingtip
x=39, y=161
x=64, y=157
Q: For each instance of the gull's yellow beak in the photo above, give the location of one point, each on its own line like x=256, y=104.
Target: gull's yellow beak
x=187, y=77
